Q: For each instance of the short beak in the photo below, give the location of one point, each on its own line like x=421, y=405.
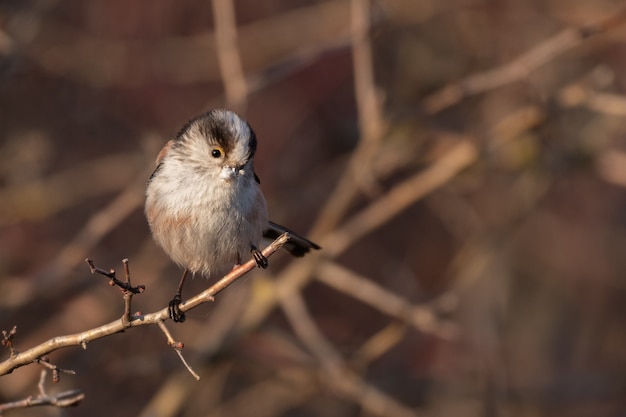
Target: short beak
x=231, y=172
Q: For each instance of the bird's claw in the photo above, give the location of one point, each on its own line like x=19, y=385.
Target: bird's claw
x=259, y=258
x=175, y=314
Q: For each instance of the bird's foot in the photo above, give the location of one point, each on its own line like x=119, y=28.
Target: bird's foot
x=175, y=314
x=259, y=258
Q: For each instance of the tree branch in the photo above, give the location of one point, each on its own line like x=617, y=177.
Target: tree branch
x=63, y=399
x=520, y=67
x=19, y=359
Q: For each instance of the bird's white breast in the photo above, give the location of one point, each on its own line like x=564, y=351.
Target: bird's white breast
x=206, y=225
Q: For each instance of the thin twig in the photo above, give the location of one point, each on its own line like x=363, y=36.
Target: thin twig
x=45, y=362
x=114, y=281
x=178, y=348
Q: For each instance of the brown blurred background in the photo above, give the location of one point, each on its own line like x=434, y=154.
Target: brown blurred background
x=462, y=163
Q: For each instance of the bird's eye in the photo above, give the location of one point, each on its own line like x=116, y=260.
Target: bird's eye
x=216, y=153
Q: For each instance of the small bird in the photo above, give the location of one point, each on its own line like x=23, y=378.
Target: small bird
x=203, y=201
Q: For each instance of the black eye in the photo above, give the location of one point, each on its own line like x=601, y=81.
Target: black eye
x=216, y=153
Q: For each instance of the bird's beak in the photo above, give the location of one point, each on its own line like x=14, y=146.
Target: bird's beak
x=229, y=172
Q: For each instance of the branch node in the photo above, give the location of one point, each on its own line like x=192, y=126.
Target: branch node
x=45, y=362
x=125, y=286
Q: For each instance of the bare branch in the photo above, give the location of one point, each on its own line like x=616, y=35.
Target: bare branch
x=358, y=175
x=99, y=225
x=61, y=190
x=228, y=56
x=81, y=55
x=521, y=66
x=400, y=197
x=386, y=207
x=81, y=339
x=124, y=286
x=421, y=317
x=367, y=97
x=335, y=371
x=63, y=399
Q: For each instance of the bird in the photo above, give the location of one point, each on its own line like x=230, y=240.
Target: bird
x=204, y=205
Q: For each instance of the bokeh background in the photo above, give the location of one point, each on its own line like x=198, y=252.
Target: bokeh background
x=461, y=162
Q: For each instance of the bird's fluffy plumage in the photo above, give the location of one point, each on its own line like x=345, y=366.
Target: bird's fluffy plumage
x=203, y=201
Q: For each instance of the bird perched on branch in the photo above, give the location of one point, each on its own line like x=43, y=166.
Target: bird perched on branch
x=204, y=204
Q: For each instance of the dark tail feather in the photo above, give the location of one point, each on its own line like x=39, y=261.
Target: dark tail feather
x=297, y=245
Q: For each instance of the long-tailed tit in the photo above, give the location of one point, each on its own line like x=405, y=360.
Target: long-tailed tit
x=203, y=200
